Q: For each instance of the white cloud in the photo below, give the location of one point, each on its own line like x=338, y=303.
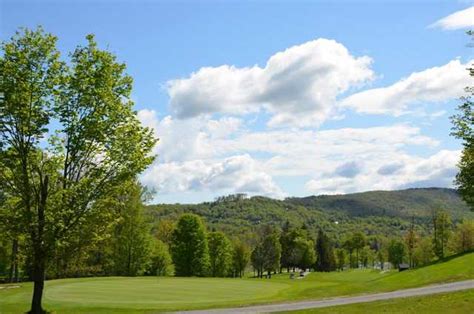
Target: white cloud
x=188, y=139
x=239, y=173
x=219, y=156
x=298, y=86
x=434, y=85
x=404, y=171
x=457, y=20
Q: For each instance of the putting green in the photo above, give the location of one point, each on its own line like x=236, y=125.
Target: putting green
x=151, y=292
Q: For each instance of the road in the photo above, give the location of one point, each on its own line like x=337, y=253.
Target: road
x=432, y=289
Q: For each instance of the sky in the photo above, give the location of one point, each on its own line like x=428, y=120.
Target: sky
x=281, y=98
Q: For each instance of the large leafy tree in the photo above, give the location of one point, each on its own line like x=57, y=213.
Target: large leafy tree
x=68, y=135
x=396, y=252
x=220, y=253
x=131, y=241
x=240, y=258
x=189, y=248
x=463, y=129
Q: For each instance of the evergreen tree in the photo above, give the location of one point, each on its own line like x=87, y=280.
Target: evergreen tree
x=325, y=260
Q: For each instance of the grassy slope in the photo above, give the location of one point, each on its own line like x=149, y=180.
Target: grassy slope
x=147, y=293
x=454, y=302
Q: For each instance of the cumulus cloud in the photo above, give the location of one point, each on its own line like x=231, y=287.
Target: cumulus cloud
x=409, y=171
x=236, y=174
x=298, y=86
x=219, y=155
x=457, y=20
x=188, y=139
x=434, y=85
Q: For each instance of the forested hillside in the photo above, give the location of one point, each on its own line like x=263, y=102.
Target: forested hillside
x=403, y=203
x=376, y=212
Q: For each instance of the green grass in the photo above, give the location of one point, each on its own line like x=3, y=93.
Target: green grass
x=142, y=294
x=454, y=302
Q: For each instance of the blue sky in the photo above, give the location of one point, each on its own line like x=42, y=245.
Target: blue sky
x=281, y=98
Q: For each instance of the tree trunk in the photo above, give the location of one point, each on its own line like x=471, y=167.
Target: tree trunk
x=13, y=277
x=38, y=278
x=39, y=249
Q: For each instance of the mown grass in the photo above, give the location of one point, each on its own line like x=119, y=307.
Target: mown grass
x=146, y=294
x=453, y=302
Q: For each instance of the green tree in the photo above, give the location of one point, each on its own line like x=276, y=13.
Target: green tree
x=240, y=258
x=441, y=232
x=220, y=252
x=358, y=242
x=161, y=263
x=95, y=143
x=463, y=237
x=131, y=247
x=411, y=239
x=463, y=128
x=340, y=258
x=257, y=259
x=164, y=231
x=305, y=251
x=423, y=253
x=189, y=248
x=396, y=252
x=272, y=253
x=325, y=260
x=349, y=246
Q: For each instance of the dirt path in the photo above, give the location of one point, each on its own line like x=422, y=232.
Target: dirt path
x=433, y=289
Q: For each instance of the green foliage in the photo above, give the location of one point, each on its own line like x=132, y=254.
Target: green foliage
x=396, y=252
x=325, y=255
x=131, y=241
x=463, y=128
x=189, y=248
x=220, y=253
x=305, y=253
x=463, y=237
x=97, y=141
x=441, y=232
x=267, y=253
x=240, y=258
x=291, y=252
x=161, y=263
x=340, y=259
x=272, y=252
x=423, y=253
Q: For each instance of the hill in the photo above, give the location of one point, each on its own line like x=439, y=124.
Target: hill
x=377, y=212
x=402, y=203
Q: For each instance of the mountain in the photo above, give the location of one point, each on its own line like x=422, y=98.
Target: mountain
x=403, y=203
x=375, y=212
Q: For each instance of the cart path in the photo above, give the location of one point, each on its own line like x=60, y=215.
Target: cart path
x=302, y=305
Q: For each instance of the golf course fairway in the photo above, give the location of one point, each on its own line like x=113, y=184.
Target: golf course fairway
x=156, y=294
